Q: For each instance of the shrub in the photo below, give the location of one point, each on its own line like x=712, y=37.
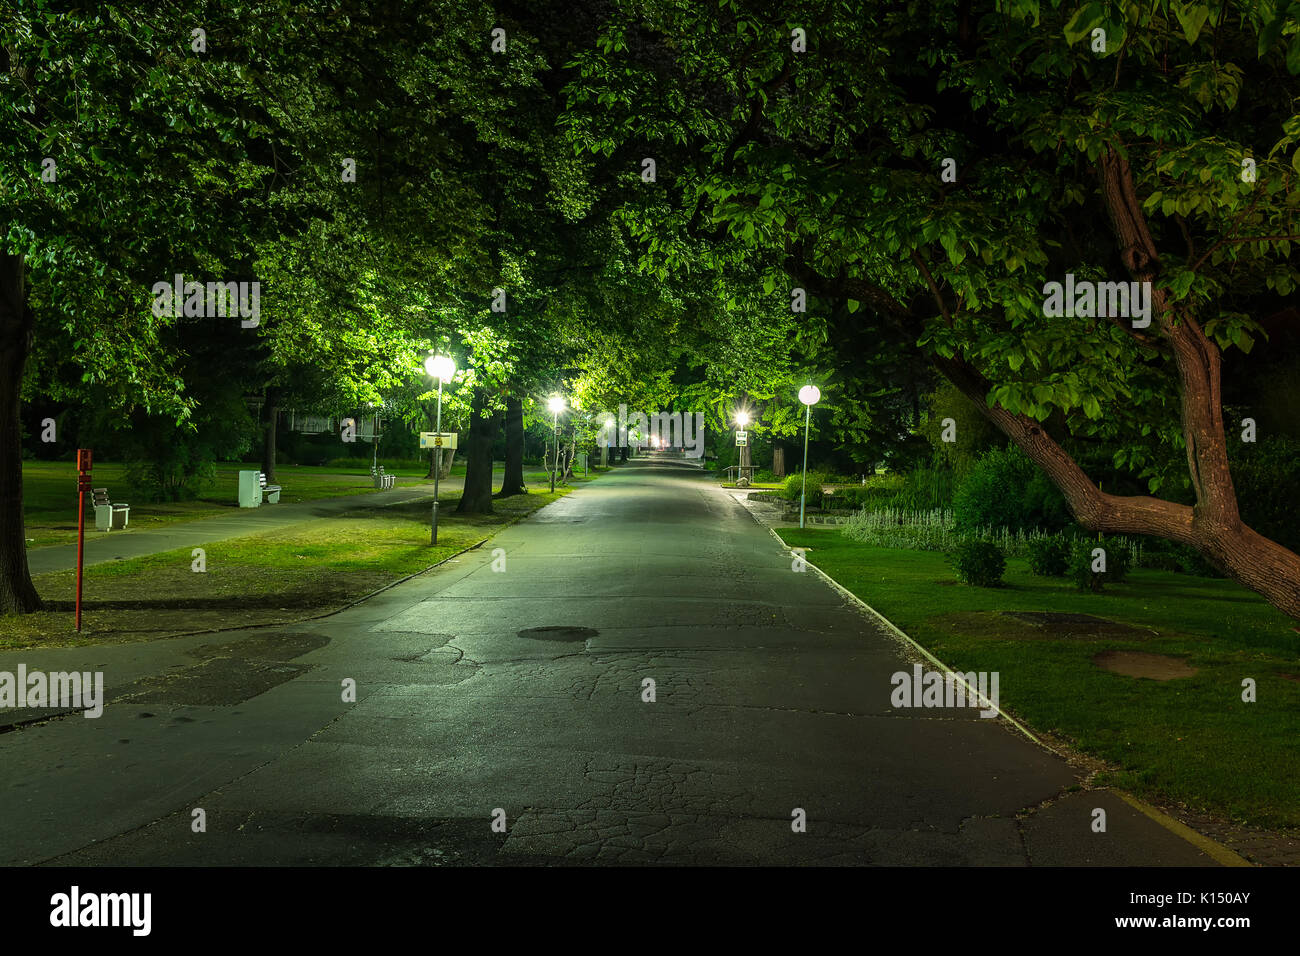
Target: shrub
x=895, y=528
x=1083, y=556
x=794, y=485
x=1049, y=557
x=926, y=487
x=979, y=562
x=1162, y=561
x=1004, y=489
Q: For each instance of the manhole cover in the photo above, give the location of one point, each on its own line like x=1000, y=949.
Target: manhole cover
x=559, y=632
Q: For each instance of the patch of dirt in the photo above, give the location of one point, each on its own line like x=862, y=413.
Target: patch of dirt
x=1142, y=664
x=1078, y=625
x=1038, y=626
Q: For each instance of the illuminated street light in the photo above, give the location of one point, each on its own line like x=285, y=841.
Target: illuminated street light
x=810, y=395
x=742, y=459
x=442, y=368
x=556, y=405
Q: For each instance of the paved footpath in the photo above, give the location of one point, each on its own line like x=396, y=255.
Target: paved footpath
x=131, y=542
x=514, y=682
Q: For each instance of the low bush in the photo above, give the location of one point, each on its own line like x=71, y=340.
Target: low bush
x=1095, y=563
x=979, y=562
x=1049, y=557
x=793, y=486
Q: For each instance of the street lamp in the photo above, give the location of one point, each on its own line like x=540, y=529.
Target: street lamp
x=742, y=460
x=810, y=395
x=556, y=405
x=442, y=368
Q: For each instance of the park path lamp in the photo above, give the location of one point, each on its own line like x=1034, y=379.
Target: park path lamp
x=810, y=395
x=442, y=368
x=742, y=459
x=556, y=405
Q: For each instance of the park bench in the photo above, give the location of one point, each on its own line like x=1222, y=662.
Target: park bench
x=253, y=489
x=107, y=512
x=383, y=481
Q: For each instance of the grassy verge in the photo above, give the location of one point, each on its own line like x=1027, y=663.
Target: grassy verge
x=274, y=577
x=50, y=494
x=1190, y=741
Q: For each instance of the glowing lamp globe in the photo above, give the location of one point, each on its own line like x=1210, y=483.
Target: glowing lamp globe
x=440, y=367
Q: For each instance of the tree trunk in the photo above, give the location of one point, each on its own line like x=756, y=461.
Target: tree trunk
x=570, y=452
x=271, y=412
x=446, y=457
x=513, y=482
x=17, y=593
x=778, y=459
x=477, y=496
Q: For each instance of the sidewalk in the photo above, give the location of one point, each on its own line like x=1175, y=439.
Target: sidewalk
x=102, y=546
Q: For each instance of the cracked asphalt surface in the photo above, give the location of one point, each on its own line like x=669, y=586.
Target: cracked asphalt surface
x=771, y=696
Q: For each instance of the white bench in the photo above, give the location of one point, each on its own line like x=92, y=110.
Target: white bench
x=253, y=490
x=383, y=481
x=107, y=512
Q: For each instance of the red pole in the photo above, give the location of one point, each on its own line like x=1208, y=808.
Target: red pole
x=83, y=482
x=81, y=541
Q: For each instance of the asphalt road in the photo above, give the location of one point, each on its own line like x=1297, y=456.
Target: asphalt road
x=771, y=696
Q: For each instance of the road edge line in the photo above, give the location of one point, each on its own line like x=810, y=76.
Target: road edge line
x=1216, y=851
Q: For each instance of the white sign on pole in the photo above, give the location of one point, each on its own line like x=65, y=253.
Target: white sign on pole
x=438, y=440
x=742, y=438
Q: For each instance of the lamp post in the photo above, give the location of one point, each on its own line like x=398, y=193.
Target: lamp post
x=556, y=405
x=442, y=368
x=742, y=419
x=810, y=395
x=374, y=428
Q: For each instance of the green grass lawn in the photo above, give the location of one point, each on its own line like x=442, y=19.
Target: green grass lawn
x=50, y=494
x=278, y=576
x=1191, y=740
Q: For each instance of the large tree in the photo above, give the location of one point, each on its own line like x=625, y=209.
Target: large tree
x=930, y=166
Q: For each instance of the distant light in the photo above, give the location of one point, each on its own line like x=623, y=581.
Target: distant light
x=742, y=418
x=555, y=404
x=440, y=367
x=810, y=394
